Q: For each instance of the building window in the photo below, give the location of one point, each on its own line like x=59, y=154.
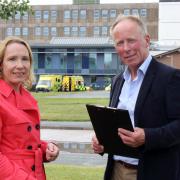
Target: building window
x=53, y=15
x=67, y=14
x=45, y=31
x=107, y=60
x=113, y=13
x=82, y=14
x=9, y=31
x=74, y=14
x=37, y=31
x=25, y=31
x=104, y=13
x=53, y=31
x=17, y=16
x=96, y=31
x=82, y=31
x=92, y=61
x=96, y=14
x=45, y=15
x=74, y=31
x=38, y=15
x=48, y=61
x=35, y=59
x=25, y=16
x=66, y=31
x=17, y=31
x=126, y=12
x=135, y=12
x=104, y=30
x=143, y=12
x=63, y=61
x=78, y=61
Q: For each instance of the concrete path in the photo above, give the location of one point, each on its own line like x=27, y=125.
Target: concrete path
x=63, y=135
x=75, y=144
x=82, y=159
x=75, y=141
x=66, y=125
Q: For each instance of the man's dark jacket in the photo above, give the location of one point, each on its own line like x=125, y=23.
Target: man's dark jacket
x=157, y=110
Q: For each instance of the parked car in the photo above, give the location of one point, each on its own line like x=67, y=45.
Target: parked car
x=97, y=86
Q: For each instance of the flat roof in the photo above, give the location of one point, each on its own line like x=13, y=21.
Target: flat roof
x=82, y=41
x=155, y=53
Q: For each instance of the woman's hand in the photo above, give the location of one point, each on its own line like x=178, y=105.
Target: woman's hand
x=52, y=151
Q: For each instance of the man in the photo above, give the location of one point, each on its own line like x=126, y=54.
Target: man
x=150, y=91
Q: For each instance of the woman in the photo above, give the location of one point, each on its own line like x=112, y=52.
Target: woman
x=22, y=153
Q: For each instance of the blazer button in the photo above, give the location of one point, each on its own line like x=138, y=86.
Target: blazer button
x=37, y=126
x=33, y=167
x=29, y=128
x=29, y=147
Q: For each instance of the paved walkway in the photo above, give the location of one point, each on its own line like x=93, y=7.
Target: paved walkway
x=74, y=139
x=63, y=135
x=66, y=125
x=70, y=136
x=83, y=159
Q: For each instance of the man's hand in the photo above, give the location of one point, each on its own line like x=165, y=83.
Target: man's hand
x=98, y=148
x=133, y=139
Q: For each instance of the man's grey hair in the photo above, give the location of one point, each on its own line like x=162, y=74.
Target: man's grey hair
x=135, y=19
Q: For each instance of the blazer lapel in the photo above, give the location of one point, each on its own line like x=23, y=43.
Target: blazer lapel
x=144, y=90
x=116, y=90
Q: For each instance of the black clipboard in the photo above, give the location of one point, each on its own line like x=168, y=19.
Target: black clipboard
x=106, y=121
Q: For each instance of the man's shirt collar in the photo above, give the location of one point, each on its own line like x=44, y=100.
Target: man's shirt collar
x=142, y=68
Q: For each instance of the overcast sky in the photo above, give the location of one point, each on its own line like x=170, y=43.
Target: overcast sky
x=41, y=2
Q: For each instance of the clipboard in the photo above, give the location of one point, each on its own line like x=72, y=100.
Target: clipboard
x=106, y=121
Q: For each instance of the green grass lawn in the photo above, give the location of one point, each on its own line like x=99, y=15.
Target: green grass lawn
x=67, y=172
x=65, y=109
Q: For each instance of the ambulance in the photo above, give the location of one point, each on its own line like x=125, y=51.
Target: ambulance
x=51, y=82
x=73, y=83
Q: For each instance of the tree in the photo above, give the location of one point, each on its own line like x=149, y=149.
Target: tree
x=9, y=8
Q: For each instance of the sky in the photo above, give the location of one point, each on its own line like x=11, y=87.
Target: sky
x=52, y=2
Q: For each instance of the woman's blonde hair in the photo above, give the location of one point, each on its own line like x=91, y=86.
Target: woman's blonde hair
x=3, y=46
